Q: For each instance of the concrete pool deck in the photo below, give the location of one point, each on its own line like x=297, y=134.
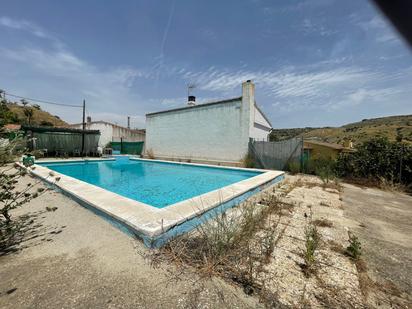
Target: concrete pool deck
x=155, y=225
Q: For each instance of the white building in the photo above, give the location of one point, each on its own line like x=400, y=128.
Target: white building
x=215, y=132
x=112, y=132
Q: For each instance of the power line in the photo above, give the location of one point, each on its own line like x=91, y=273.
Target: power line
x=40, y=101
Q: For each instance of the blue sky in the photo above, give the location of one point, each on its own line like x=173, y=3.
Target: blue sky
x=314, y=62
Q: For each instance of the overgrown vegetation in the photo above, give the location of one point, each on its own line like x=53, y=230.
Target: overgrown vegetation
x=378, y=159
x=248, y=161
x=234, y=246
x=294, y=167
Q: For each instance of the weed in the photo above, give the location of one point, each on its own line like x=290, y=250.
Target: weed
x=354, y=250
x=150, y=153
x=248, y=161
x=234, y=246
x=312, y=239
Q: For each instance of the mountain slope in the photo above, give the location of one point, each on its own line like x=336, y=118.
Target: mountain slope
x=40, y=117
x=391, y=127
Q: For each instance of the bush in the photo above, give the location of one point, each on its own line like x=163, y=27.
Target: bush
x=378, y=158
x=294, y=167
x=325, y=168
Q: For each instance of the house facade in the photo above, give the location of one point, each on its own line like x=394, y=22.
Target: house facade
x=214, y=132
x=112, y=132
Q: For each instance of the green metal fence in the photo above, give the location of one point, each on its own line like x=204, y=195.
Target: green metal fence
x=134, y=148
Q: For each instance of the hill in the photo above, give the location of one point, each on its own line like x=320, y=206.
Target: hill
x=15, y=114
x=392, y=127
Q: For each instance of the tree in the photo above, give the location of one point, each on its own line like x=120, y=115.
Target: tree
x=24, y=102
x=28, y=112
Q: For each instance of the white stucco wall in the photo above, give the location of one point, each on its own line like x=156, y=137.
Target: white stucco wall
x=259, y=121
x=218, y=132
x=110, y=132
x=212, y=132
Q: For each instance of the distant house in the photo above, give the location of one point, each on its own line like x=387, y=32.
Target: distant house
x=213, y=132
x=319, y=149
x=112, y=132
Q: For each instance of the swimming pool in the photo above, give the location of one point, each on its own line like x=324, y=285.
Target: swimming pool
x=152, y=199
x=158, y=184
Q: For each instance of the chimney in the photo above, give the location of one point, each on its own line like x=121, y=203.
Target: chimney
x=89, y=119
x=191, y=100
x=128, y=122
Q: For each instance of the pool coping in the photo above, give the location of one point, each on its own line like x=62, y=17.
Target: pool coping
x=145, y=220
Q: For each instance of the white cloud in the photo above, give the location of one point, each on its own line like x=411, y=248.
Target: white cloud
x=326, y=85
x=25, y=26
x=380, y=28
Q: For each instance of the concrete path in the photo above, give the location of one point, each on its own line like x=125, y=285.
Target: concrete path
x=383, y=222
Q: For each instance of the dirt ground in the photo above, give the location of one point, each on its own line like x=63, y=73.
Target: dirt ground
x=71, y=258
x=383, y=222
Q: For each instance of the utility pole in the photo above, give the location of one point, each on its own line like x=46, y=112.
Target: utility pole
x=84, y=125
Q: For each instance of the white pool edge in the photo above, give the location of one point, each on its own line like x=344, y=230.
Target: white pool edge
x=150, y=222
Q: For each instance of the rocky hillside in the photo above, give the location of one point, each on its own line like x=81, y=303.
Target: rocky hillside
x=16, y=114
x=392, y=127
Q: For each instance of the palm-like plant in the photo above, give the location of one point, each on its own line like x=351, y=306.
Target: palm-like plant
x=28, y=112
x=24, y=102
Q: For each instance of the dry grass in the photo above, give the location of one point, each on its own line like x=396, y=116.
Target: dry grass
x=150, y=154
x=233, y=246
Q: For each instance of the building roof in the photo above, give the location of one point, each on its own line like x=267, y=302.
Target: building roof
x=263, y=114
x=58, y=130
x=196, y=106
x=109, y=123
x=12, y=127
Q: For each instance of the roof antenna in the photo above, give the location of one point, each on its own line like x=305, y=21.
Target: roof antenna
x=191, y=99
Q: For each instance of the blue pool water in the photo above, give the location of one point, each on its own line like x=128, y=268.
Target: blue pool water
x=154, y=183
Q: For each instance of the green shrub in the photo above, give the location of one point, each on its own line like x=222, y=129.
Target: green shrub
x=325, y=168
x=294, y=167
x=354, y=248
x=378, y=158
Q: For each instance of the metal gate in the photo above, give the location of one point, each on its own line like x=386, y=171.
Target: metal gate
x=277, y=155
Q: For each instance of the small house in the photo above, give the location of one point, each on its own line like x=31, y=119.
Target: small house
x=216, y=132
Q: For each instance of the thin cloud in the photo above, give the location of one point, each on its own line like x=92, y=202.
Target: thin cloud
x=19, y=24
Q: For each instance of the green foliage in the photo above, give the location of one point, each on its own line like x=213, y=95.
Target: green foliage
x=294, y=167
x=325, y=168
x=6, y=116
x=378, y=158
x=354, y=250
x=312, y=239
